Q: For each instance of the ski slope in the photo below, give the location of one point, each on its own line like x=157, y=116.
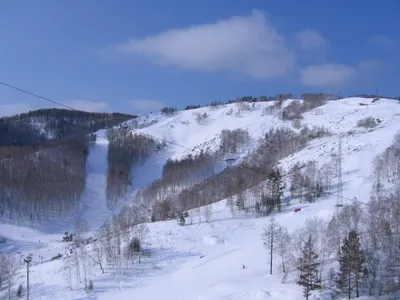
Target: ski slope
x=94, y=207
x=203, y=261
x=186, y=135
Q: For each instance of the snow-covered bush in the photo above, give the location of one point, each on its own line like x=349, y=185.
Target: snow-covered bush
x=368, y=122
x=90, y=286
x=135, y=246
x=296, y=123
x=293, y=111
x=231, y=140
x=200, y=117
x=243, y=106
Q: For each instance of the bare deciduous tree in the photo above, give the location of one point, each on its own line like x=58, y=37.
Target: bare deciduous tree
x=269, y=237
x=8, y=269
x=282, y=246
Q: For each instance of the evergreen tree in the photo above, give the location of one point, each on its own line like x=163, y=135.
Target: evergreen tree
x=351, y=262
x=270, y=204
x=308, y=267
x=182, y=220
x=90, y=286
x=257, y=208
x=269, y=200
x=20, y=290
x=277, y=188
x=266, y=201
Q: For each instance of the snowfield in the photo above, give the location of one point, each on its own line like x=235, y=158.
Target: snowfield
x=204, y=261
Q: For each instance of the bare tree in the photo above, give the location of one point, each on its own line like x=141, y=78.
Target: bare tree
x=141, y=231
x=282, y=246
x=269, y=236
x=81, y=227
x=207, y=212
x=231, y=204
x=8, y=269
x=240, y=202
x=97, y=255
x=76, y=265
x=200, y=117
x=68, y=269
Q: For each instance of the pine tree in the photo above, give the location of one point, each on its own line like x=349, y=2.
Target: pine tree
x=182, y=220
x=19, y=290
x=257, y=208
x=308, y=267
x=351, y=262
x=277, y=188
x=270, y=204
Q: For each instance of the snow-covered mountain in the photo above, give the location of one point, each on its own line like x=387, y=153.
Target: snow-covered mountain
x=224, y=258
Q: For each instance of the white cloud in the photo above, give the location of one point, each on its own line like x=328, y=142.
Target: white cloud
x=143, y=106
x=310, y=39
x=90, y=106
x=247, y=45
x=243, y=44
x=327, y=75
x=372, y=65
x=385, y=42
x=14, y=109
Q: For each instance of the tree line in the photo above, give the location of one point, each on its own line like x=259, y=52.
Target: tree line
x=170, y=199
x=317, y=97
x=126, y=150
x=45, y=184
x=38, y=126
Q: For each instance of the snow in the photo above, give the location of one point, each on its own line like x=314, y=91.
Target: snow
x=205, y=260
x=192, y=136
x=94, y=207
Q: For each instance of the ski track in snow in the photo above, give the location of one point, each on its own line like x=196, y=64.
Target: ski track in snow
x=204, y=261
x=95, y=210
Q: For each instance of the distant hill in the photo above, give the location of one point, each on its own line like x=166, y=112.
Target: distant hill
x=38, y=126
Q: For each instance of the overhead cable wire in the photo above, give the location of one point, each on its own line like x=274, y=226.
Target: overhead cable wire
x=37, y=96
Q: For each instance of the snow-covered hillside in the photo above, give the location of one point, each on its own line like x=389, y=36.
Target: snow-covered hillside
x=191, y=131
x=205, y=260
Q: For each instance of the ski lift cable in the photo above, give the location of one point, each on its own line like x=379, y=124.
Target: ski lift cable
x=36, y=95
x=74, y=109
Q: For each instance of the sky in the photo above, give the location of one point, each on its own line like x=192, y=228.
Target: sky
x=138, y=56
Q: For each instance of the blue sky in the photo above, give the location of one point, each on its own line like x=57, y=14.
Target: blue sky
x=137, y=56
